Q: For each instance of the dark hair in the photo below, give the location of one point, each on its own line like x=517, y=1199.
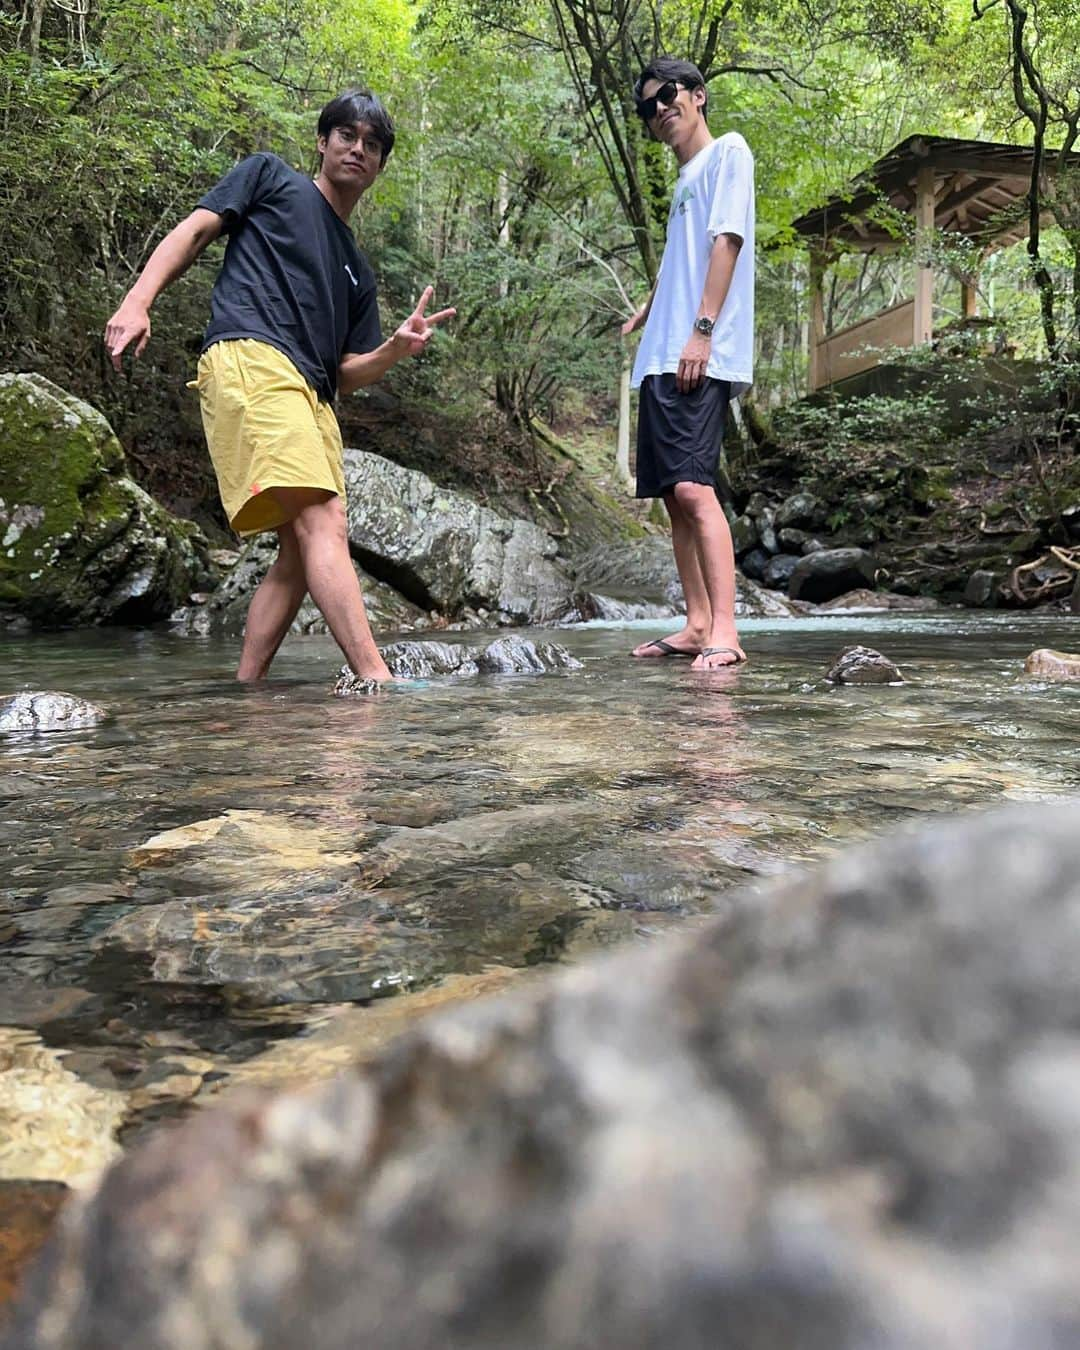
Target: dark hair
x=359, y=105
x=664, y=68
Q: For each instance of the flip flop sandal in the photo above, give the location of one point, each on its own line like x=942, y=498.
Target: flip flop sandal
x=715, y=651
x=668, y=649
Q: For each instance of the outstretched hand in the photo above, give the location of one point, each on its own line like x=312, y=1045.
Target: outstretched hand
x=633, y=323
x=130, y=323
x=416, y=332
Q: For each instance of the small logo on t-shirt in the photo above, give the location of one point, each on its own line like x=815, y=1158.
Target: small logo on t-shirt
x=351, y=277
x=682, y=198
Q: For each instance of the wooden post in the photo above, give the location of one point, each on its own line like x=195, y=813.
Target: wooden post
x=923, y=326
x=969, y=298
x=622, y=442
x=818, y=374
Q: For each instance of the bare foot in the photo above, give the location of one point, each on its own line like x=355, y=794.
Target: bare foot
x=683, y=643
x=718, y=658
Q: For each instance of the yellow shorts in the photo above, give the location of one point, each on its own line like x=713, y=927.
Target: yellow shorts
x=266, y=427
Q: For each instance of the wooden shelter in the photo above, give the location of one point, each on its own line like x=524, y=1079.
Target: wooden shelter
x=972, y=188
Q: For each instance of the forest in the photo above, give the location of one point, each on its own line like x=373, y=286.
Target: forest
x=522, y=184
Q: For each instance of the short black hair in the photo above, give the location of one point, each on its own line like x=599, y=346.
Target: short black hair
x=664, y=68
x=359, y=105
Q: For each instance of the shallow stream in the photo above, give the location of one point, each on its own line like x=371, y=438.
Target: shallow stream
x=222, y=883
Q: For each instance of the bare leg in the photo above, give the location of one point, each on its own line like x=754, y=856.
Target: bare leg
x=695, y=634
x=716, y=557
x=318, y=521
x=273, y=608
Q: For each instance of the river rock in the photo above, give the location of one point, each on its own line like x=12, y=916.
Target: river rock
x=636, y=569
x=42, y=710
x=1074, y=599
x=863, y=665
x=802, y=510
x=588, y=605
x=844, y=1114
x=80, y=542
x=981, y=591
x=863, y=600
x=422, y=660
x=831, y=572
x=1046, y=664
x=778, y=571
x=754, y=564
x=767, y=532
x=744, y=534
x=443, y=551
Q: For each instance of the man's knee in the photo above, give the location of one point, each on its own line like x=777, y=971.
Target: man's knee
x=693, y=499
x=316, y=513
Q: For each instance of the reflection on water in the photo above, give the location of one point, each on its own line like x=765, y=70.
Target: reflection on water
x=219, y=869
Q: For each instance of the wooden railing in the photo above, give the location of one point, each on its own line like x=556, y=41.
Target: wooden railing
x=844, y=352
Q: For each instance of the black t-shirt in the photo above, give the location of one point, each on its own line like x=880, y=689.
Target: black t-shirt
x=293, y=276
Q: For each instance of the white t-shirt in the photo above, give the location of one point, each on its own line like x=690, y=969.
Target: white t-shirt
x=714, y=195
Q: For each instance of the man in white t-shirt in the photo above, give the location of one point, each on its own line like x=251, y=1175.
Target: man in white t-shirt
x=696, y=353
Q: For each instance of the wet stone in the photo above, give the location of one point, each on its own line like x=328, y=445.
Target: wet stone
x=801, y=510
x=47, y=710
x=831, y=572
x=863, y=665
x=1046, y=664
x=778, y=571
x=981, y=591
x=504, y=656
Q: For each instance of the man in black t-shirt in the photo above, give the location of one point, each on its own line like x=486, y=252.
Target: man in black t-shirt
x=293, y=322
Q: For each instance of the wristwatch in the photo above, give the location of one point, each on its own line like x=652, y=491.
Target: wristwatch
x=703, y=326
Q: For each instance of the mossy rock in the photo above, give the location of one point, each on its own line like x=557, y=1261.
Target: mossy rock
x=80, y=543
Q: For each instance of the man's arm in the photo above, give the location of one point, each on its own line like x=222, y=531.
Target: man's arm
x=357, y=369
x=694, y=360
x=171, y=259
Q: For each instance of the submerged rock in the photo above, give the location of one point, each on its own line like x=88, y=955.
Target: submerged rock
x=47, y=710
x=1046, y=664
x=53, y=1126
x=80, y=543
x=443, y=551
x=863, y=665
x=843, y=1114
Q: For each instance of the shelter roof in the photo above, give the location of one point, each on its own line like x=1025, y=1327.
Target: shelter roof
x=979, y=191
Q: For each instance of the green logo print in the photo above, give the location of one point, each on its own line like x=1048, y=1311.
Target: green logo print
x=684, y=195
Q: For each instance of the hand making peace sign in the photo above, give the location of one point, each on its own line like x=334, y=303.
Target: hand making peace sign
x=415, y=333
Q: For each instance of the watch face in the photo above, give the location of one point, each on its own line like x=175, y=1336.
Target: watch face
x=704, y=326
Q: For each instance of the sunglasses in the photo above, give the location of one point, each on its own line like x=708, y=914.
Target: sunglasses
x=666, y=94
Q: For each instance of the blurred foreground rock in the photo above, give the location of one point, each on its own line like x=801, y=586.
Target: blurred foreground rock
x=843, y=1116
x=505, y=656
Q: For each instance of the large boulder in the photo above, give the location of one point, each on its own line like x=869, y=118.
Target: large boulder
x=443, y=551
x=80, y=543
x=842, y=1114
x=831, y=572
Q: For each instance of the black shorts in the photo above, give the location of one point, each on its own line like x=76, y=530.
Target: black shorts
x=679, y=435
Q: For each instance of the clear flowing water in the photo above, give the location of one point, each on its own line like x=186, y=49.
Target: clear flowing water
x=219, y=869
